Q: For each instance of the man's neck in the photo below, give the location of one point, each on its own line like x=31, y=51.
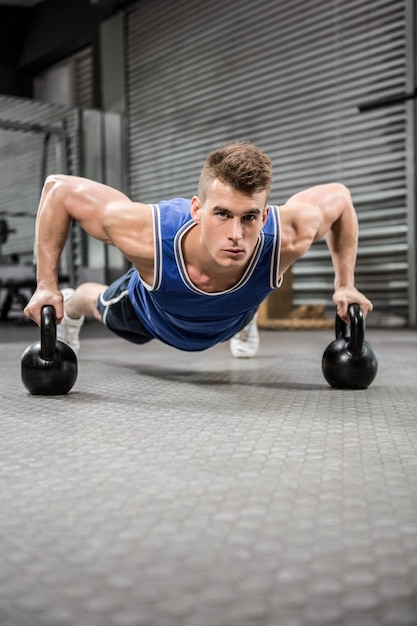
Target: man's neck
x=203, y=272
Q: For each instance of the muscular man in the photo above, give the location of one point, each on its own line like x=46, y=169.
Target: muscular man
x=200, y=267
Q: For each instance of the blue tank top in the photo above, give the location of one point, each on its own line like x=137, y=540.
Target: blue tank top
x=174, y=310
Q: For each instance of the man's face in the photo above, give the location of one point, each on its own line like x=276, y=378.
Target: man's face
x=230, y=223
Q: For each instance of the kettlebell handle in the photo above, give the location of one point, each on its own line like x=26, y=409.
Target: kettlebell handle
x=48, y=332
x=357, y=329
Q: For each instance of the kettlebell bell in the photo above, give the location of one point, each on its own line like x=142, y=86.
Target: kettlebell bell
x=49, y=367
x=349, y=362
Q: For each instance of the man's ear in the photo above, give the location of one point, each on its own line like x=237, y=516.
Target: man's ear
x=265, y=215
x=195, y=208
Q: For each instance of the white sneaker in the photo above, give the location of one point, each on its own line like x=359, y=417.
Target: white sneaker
x=245, y=344
x=68, y=330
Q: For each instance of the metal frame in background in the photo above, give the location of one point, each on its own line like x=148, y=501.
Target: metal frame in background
x=60, y=133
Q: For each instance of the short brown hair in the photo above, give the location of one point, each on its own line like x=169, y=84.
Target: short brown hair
x=242, y=165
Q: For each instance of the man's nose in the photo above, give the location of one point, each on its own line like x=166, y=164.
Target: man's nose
x=236, y=230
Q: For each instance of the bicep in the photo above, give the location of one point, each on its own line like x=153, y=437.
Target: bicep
x=320, y=207
x=85, y=201
x=129, y=227
x=103, y=212
x=307, y=217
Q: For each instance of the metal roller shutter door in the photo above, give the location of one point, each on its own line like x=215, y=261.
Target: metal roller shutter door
x=84, y=78
x=288, y=76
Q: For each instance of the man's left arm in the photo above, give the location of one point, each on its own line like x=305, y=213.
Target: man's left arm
x=342, y=241
x=338, y=224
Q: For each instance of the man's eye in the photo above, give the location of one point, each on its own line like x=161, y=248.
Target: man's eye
x=250, y=218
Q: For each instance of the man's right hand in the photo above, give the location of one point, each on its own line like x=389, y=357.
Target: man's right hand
x=42, y=297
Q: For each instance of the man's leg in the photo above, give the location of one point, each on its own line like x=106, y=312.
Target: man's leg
x=83, y=300
x=245, y=344
x=78, y=303
x=108, y=304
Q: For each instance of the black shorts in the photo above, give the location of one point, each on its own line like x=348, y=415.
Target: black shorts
x=118, y=313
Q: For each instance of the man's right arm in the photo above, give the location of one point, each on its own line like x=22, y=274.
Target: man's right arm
x=103, y=212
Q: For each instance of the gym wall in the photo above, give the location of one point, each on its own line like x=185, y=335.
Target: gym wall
x=291, y=77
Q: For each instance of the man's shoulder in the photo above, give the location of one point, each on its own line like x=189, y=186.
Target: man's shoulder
x=179, y=205
x=173, y=214
x=271, y=225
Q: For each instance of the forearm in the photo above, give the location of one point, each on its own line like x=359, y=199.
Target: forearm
x=52, y=228
x=342, y=241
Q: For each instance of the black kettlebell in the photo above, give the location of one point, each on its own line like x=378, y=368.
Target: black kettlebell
x=350, y=362
x=49, y=367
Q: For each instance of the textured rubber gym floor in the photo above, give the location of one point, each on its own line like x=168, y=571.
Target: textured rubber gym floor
x=174, y=489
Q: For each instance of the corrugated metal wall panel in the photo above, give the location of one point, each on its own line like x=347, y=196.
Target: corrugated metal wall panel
x=289, y=76
x=84, y=78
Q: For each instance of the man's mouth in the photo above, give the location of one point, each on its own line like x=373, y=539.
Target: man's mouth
x=233, y=251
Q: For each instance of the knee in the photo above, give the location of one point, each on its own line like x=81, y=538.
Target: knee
x=84, y=300
x=96, y=313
